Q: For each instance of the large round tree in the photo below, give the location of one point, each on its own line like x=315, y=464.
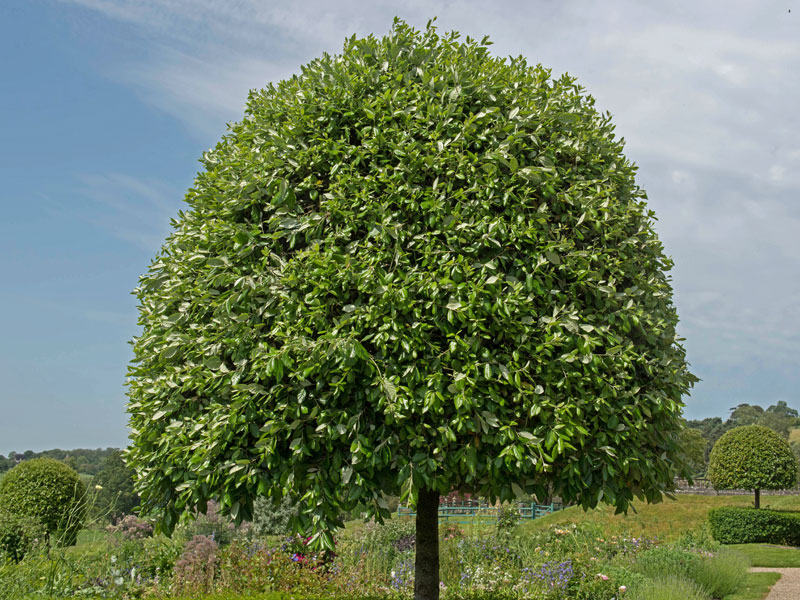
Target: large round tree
x=752, y=457
x=412, y=268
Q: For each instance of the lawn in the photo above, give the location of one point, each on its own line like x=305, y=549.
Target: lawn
x=768, y=555
x=756, y=586
x=667, y=520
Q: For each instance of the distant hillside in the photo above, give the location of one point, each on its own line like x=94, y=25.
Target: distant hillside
x=83, y=460
x=794, y=436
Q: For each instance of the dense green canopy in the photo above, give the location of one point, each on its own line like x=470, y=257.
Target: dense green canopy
x=412, y=266
x=752, y=457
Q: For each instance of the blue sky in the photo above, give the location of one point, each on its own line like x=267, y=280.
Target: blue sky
x=105, y=107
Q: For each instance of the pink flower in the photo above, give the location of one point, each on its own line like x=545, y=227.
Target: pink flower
x=603, y=577
x=623, y=589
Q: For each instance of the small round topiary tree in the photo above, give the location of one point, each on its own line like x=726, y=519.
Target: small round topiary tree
x=754, y=458
x=50, y=491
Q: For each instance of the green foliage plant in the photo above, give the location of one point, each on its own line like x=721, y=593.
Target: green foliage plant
x=754, y=458
x=665, y=560
x=508, y=517
x=722, y=574
x=413, y=267
x=667, y=587
x=717, y=575
x=733, y=525
x=272, y=519
x=49, y=491
x=19, y=535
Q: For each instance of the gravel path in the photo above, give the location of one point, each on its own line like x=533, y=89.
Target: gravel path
x=788, y=586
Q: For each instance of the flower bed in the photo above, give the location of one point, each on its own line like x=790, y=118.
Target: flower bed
x=371, y=561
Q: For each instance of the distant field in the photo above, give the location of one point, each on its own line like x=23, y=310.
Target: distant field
x=667, y=520
x=794, y=435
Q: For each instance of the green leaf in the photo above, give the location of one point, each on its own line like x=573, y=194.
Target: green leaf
x=552, y=257
x=213, y=363
x=389, y=388
x=347, y=474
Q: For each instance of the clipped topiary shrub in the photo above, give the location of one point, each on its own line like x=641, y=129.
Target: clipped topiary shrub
x=49, y=491
x=733, y=525
x=19, y=534
x=408, y=265
x=752, y=458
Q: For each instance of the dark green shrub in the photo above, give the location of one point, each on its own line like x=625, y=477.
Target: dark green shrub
x=19, y=534
x=733, y=525
x=752, y=458
x=50, y=491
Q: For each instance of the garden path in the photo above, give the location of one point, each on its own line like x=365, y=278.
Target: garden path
x=788, y=586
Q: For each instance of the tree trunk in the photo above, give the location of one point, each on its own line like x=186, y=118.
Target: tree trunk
x=426, y=561
x=758, y=499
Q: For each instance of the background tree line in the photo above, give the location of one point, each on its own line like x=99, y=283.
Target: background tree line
x=700, y=435
x=83, y=460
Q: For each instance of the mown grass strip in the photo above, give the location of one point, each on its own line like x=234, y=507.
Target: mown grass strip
x=755, y=587
x=767, y=555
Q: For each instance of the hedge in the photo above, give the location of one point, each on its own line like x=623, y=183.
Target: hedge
x=731, y=525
